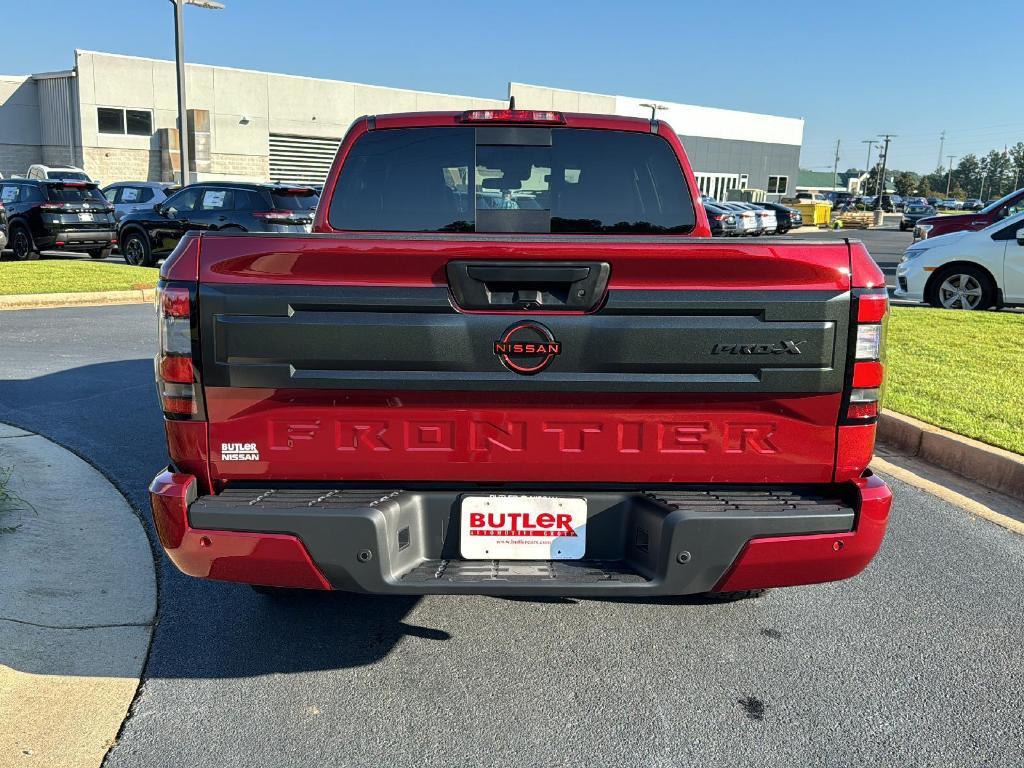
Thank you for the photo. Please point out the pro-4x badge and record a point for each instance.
(783, 347)
(527, 347)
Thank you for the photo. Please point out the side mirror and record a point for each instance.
(159, 208)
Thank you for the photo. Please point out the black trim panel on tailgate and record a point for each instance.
(285, 336)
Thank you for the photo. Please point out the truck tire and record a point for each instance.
(961, 286)
(136, 250)
(21, 244)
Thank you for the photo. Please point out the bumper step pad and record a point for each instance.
(523, 571)
(764, 500)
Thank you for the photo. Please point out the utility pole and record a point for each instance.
(949, 173)
(867, 166)
(179, 56)
(886, 137)
(942, 142)
(835, 167)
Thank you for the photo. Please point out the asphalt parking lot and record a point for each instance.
(919, 661)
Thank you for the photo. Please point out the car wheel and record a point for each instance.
(98, 253)
(136, 250)
(22, 246)
(962, 287)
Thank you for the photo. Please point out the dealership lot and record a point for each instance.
(917, 661)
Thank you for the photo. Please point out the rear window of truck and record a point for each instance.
(514, 180)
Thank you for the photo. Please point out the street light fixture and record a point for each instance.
(654, 108)
(179, 56)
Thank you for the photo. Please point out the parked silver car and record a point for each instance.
(747, 221)
(767, 223)
(768, 218)
(127, 196)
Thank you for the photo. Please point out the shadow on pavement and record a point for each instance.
(107, 413)
(211, 630)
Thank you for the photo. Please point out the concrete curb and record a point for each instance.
(986, 465)
(95, 298)
(77, 606)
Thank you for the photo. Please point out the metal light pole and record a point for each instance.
(949, 173)
(179, 56)
(654, 109)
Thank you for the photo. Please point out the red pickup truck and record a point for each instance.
(1007, 206)
(511, 360)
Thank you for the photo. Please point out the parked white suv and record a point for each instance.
(966, 270)
(44, 172)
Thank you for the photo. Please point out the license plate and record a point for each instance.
(523, 528)
(85, 217)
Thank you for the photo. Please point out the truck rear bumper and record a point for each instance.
(658, 541)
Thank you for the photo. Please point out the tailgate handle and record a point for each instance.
(573, 286)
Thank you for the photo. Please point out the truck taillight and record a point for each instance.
(175, 374)
(511, 116)
(868, 369)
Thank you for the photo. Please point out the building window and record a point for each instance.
(777, 185)
(134, 122)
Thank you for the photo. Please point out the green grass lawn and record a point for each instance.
(962, 371)
(67, 276)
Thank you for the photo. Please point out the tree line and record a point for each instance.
(987, 177)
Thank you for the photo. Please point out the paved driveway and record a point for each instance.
(918, 661)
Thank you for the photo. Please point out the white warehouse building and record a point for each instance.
(116, 117)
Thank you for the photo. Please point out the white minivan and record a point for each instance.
(966, 269)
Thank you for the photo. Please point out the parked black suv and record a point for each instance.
(891, 203)
(56, 214)
(221, 206)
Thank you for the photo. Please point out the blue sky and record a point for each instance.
(851, 70)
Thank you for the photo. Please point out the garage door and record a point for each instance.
(305, 159)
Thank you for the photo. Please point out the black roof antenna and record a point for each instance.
(511, 102)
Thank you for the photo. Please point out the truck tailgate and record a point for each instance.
(355, 358)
